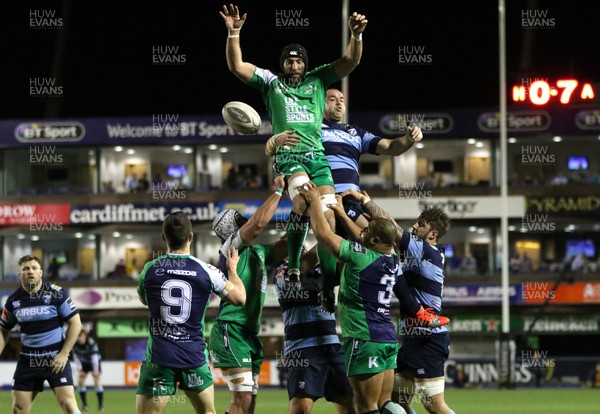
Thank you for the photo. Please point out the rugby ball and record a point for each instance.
(241, 117)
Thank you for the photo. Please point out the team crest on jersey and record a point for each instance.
(309, 89)
(358, 248)
(47, 299)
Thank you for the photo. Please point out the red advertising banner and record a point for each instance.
(574, 293)
(34, 214)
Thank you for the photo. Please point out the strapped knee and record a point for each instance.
(295, 183)
(427, 389)
(241, 382)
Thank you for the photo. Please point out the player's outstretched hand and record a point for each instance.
(59, 362)
(357, 23)
(232, 260)
(232, 17)
(414, 133)
(310, 192)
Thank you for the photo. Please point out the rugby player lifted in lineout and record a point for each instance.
(295, 102)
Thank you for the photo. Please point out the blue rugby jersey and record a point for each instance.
(41, 316)
(177, 289)
(343, 145)
(305, 324)
(423, 268)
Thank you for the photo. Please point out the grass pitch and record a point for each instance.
(274, 401)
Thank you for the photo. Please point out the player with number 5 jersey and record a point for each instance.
(177, 287)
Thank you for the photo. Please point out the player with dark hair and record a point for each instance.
(177, 287)
(345, 143)
(295, 102)
(424, 349)
(41, 309)
(370, 271)
(87, 358)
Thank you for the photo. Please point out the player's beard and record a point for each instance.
(290, 80)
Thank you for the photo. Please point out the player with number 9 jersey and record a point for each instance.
(177, 288)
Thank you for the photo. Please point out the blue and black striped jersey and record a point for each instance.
(344, 145)
(41, 316)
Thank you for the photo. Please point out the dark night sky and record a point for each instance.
(106, 68)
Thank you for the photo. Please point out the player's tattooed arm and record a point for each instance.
(371, 208)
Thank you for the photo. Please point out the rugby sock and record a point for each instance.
(100, 394)
(82, 394)
(407, 301)
(391, 407)
(328, 264)
(296, 235)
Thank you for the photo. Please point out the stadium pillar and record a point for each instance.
(505, 361)
(505, 345)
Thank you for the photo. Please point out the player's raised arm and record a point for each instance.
(263, 215)
(400, 145)
(346, 64)
(233, 51)
(321, 229)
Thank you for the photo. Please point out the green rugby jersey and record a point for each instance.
(299, 107)
(365, 293)
(252, 270)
